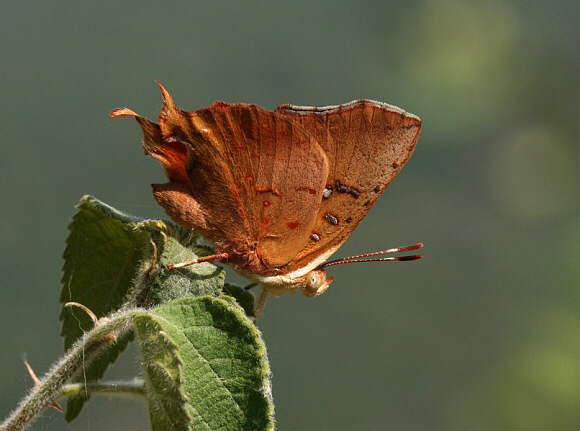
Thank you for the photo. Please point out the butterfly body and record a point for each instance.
(310, 279)
(279, 191)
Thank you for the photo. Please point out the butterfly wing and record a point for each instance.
(277, 190)
(255, 175)
(367, 144)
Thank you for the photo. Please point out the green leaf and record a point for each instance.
(243, 297)
(163, 368)
(105, 253)
(225, 367)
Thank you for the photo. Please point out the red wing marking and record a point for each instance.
(274, 191)
(292, 224)
(306, 189)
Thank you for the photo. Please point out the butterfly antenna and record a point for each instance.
(365, 256)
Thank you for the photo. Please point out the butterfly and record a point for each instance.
(278, 192)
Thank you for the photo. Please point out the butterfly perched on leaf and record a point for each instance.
(278, 192)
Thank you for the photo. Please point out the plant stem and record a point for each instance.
(135, 387)
(80, 355)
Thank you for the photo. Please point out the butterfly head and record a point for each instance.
(312, 283)
(315, 283)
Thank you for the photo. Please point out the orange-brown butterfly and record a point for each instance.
(278, 192)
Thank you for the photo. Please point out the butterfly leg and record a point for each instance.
(219, 256)
(261, 303)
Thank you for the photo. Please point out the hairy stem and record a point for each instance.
(80, 355)
(134, 387)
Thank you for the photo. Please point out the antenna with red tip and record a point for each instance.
(362, 257)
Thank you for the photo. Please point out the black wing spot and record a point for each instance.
(332, 219)
(342, 188)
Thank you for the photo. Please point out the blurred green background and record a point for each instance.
(482, 334)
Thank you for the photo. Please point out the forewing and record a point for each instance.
(367, 144)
